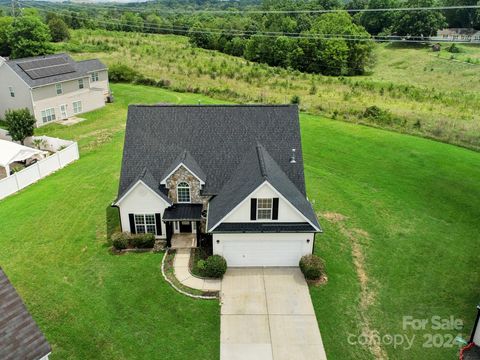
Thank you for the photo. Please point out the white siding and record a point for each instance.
(45, 97)
(141, 200)
(22, 97)
(286, 213)
(279, 249)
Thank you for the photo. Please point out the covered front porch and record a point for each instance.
(183, 225)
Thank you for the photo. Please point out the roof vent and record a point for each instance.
(292, 158)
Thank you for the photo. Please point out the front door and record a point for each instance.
(63, 111)
(185, 227)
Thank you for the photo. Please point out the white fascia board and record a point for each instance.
(164, 180)
(291, 205)
(133, 187)
(276, 191)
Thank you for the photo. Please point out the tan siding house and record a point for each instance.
(53, 87)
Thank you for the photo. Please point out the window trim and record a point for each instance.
(78, 111)
(94, 76)
(51, 115)
(59, 87)
(12, 91)
(144, 224)
(181, 186)
(264, 209)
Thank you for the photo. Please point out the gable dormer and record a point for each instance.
(184, 180)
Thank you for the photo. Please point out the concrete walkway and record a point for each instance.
(267, 314)
(183, 274)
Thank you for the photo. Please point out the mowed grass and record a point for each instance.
(412, 205)
(426, 95)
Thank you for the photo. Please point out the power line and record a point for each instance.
(232, 32)
(246, 11)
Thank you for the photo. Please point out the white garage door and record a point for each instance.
(263, 252)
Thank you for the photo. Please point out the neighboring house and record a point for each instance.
(20, 337)
(53, 87)
(232, 171)
(458, 34)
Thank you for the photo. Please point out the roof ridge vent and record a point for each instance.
(292, 158)
(261, 161)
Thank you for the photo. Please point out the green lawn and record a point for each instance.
(412, 208)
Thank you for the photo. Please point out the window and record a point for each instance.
(264, 209)
(77, 107)
(48, 115)
(58, 89)
(80, 84)
(12, 92)
(94, 76)
(145, 224)
(183, 193)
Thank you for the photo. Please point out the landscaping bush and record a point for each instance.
(311, 266)
(122, 73)
(215, 266)
(120, 240)
(142, 241)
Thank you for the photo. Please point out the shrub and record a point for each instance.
(120, 240)
(215, 266)
(295, 99)
(122, 73)
(142, 241)
(311, 266)
(454, 49)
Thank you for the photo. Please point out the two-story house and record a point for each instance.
(232, 171)
(53, 87)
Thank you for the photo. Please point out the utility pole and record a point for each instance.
(14, 7)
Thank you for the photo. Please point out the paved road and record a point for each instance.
(267, 314)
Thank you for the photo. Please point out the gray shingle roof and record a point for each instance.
(256, 167)
(186, 159)
(20, 337)
(217, 136)
(81, 68)
(192, 212)
(216, 140)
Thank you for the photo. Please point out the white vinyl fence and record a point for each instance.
(65, 152)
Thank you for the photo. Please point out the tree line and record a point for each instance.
(295, 40)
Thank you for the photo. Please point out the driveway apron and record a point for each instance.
(267, 314)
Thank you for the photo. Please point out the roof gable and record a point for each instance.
(146, 178)
(186, 160)
(216, 136)
(256, 169)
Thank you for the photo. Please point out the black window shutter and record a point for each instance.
(253, 209)
(158, 222)
(275, 209)
(131, 217)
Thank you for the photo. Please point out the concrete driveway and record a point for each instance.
(267, 314)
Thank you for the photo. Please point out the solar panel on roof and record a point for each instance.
(40, 73)
(41, 63)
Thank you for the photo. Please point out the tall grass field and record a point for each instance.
(410, 89)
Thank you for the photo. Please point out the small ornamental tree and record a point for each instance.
(20, 124)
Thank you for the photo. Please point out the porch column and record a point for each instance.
(7, 169)
(169, 228)
(197, 225)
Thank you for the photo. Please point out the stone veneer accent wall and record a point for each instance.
(183, 175)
